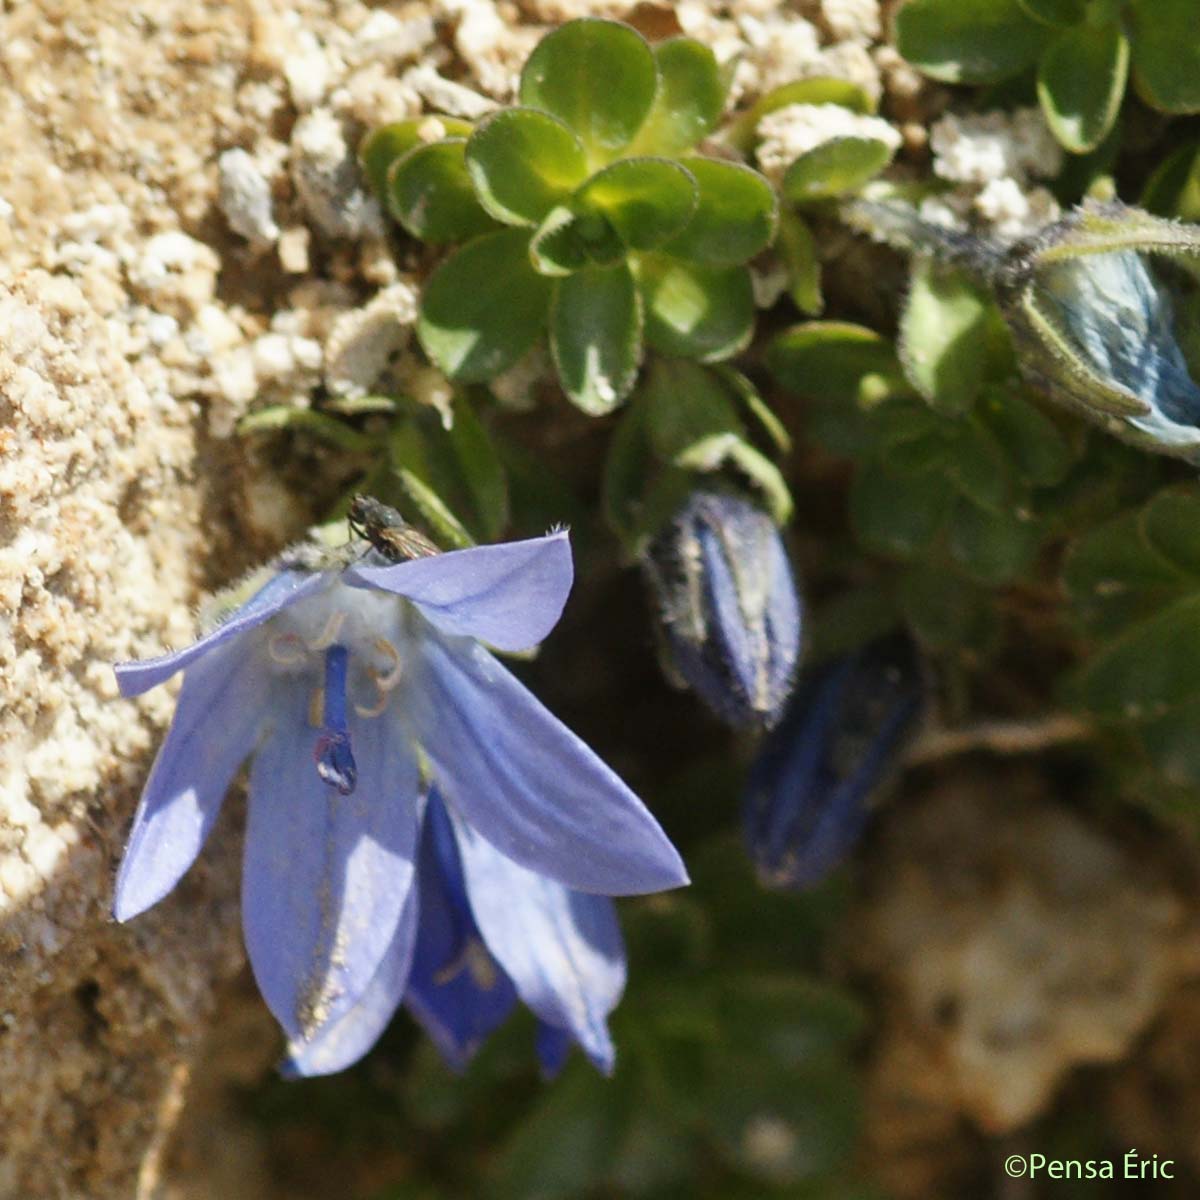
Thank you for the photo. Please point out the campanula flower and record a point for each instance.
(811, 786)
(1100, 304)
(489, 933)
(729, 608)
(352, 687)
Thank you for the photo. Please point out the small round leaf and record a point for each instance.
(484, 307)
(693, 311)
(1056, 12)
(835, 167)
(818, 89)
(1081, 79)
(596, 336)
(646, 200)
(522, 163)
(429, 192)
(734, 219)
(969, 41)
(599, 77)
(385, 144)
(1173, 190)
(1166, 53)
(689, 102)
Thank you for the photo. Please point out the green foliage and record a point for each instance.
(686, 420)
(593, 180)
(1082, 50)
(950, 459)
(1135, 585)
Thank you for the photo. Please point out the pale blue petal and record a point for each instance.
(326, 876)
(562, 949)
(456, 990)
(214, 729)
(509, 595)
(340, 1044)
(525, 782)
(284, 589)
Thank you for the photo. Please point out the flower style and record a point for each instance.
(354, 687)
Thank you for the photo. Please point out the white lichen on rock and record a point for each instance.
(328, 181)
(363, 341)
(244, 194)
(994, 158)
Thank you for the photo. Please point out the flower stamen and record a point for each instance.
(278, 646)
(329, 634)
(333, 755)
(392, 677)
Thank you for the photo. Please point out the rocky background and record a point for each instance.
(184, 236)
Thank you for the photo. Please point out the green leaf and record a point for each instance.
(1166, 53)
(993, 546)
(835, 167)
(1173, 190)
(454, 476)
(947, 617)
(689, 102)
(685, 403)
(1173, 746)
(1056, 12)
(1152, 668)
(734, 219)
(968, 41)
(1081, 79)
(445, 525)
(945, 332)
(305, 420)
(799, 252)
(599, 77)
(630, 463)
(756, 407)
(558, 246)
(383, 145)
(719, 449)
(897, 514)
(694, 311)
(978, 466)
(1030, 439)
(1170, 523)
(596, 336)
(429, 192)
(481, 470)
(838, 362)
(522, 163)
(645, 200)
(742, 132)
(1116, 577)
(484, 307)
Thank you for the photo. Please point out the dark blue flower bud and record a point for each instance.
(810, 788)
(728, 604)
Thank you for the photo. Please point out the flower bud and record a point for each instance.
(1104, 309)
(728, 604)
(811, 786)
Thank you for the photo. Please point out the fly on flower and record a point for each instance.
(357, 687)
(387, 531)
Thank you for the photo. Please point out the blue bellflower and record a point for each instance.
(811, 786)
(357, 689)
(730, 612)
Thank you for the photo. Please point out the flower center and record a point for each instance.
(358, 638)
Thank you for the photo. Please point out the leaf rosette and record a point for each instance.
(584, 214)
